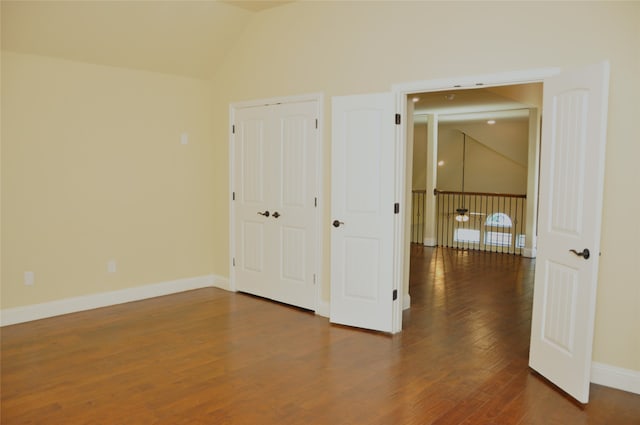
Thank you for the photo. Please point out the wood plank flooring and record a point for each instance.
(214, 357)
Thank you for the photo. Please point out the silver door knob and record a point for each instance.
(337, 223)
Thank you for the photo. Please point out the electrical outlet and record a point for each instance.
(111, 266)
(29, 278)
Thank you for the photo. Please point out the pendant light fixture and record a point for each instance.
(462, 216)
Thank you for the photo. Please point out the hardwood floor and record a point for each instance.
(213, 357)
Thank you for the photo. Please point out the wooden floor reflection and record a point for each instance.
(214, 357)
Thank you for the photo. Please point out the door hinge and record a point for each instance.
(396, 208)
(395, 294)
(314, 278)
(315, 202)
(316, 123)
(397, 119)
(234, 262)
(233, 129)
(233, 196)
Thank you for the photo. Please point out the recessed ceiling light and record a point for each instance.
(450, 96)
(440, 163)
(491, 122)
(415, 99)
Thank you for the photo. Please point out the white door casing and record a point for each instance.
(570, 213)
(362, 211)
(275, 170)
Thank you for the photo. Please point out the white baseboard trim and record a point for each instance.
(324, 308)
(28, 313)
(406, 301)
(429, 242)
(602, 374)
(221, 282)
(615, 377)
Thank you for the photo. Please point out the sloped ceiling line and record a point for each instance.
(186, 38)
(492, 147)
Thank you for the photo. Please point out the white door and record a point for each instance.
(252, 194)
(294, 203)
(275, 165)
(571, 184)
(362, 211)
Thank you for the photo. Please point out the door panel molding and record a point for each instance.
(363, 150)
(292, 191)
(570, 218)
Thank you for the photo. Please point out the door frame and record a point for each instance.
(402, 91)
(319, 308)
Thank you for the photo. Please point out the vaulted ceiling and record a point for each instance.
(503, 103)
(180, 37)
(189, 38)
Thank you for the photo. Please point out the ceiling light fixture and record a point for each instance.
(415, 99)
(440, 163)
(491, 122)
(462, 216)
(450, 96)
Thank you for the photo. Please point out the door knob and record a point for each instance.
(266, 213)
(584, 254)
(276, 214)
(337, 223)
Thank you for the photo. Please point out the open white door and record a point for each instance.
(362, 211)
(570, 212)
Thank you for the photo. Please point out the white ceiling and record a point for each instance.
(470, 105)
(181, 37)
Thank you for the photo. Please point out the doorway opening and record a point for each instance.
(501, 127)
(574, 134)
(473, 195)
(474, 161)
(571, 183)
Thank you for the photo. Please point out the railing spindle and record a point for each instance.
(496, 220)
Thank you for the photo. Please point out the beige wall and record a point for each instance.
(508, 138)
(93, 170)
(485, 169)
(342, 48)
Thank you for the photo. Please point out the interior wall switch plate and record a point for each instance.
(111, 266)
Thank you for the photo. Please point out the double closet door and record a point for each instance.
(275, 151)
